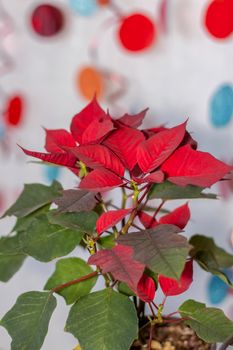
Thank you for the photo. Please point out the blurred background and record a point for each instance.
(174, 56)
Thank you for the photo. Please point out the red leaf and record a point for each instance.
(120, 263)
(146, 289)
(100, 180)
(171, 287)
(178, 217)
(154, 151)
(147, 220)
(63, 159)
(97, 130)
(133, 121)
(57, 139)
(124, 143)
(14, 111)
(110, 219)
(95, 156)
(155, 177)
(82, 120)
(189, 167)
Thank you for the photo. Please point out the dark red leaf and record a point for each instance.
(171, 286)
(152, 131)
(179, 217)
(57, 139)
(189, 140)
(64, 159)
(95, 156)
(189, 167)
(154, 151)
(82, 120)
(147, 220)
(14, 111)
(96, 131)
(100, 180)
(120, 263)
(146, 289)
(110, 219)
(133, 121)
(155, 177)
(75, 201)
(124, 143)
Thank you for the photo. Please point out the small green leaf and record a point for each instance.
(168, 191)
(11, 257)
(27, 322)
(45, 242)
(34, 197)
(107, 242)
(209, 323)
(210, 257)
(68, 270)
(84, 221)
(103, 320)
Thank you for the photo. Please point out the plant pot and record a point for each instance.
(173, 336)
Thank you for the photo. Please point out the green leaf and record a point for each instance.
(124, 289)
(45, 242)
(168, 191)
(210, 257)
(107, 242)
(27, 322)
(84, 221)
(11, 257)
(161, 249)
(34, 197)
(68, 270)
(209, 323)
(23, 223)
(104, 320)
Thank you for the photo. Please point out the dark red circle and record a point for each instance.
(14, 111)
(47, 20)
(219, 18)
(137, 32)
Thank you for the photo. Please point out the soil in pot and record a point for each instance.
(170, 337)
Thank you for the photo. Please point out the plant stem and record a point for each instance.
(151, 336)
(78, 280)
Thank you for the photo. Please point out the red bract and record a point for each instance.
(57, 139)
(124, 143)
(120, 263)
(171, 287)
(189, 167)
(133, 121)
(95, 156)
(100, 180)
(92, 113)
(155, 177)
(178, 217)
(154, 151)
(64, 159)
(110, 219)
(146, 289)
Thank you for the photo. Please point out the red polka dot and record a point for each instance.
(14, 111)
(47, 20)
(137, 32)
(219, 18)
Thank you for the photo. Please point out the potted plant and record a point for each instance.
(136, 246)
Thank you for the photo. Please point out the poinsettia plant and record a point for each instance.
(136, 247)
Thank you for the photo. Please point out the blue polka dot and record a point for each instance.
(221, 106)
(84, 7)
(2, 130)
(217, 290)
(51, 172)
